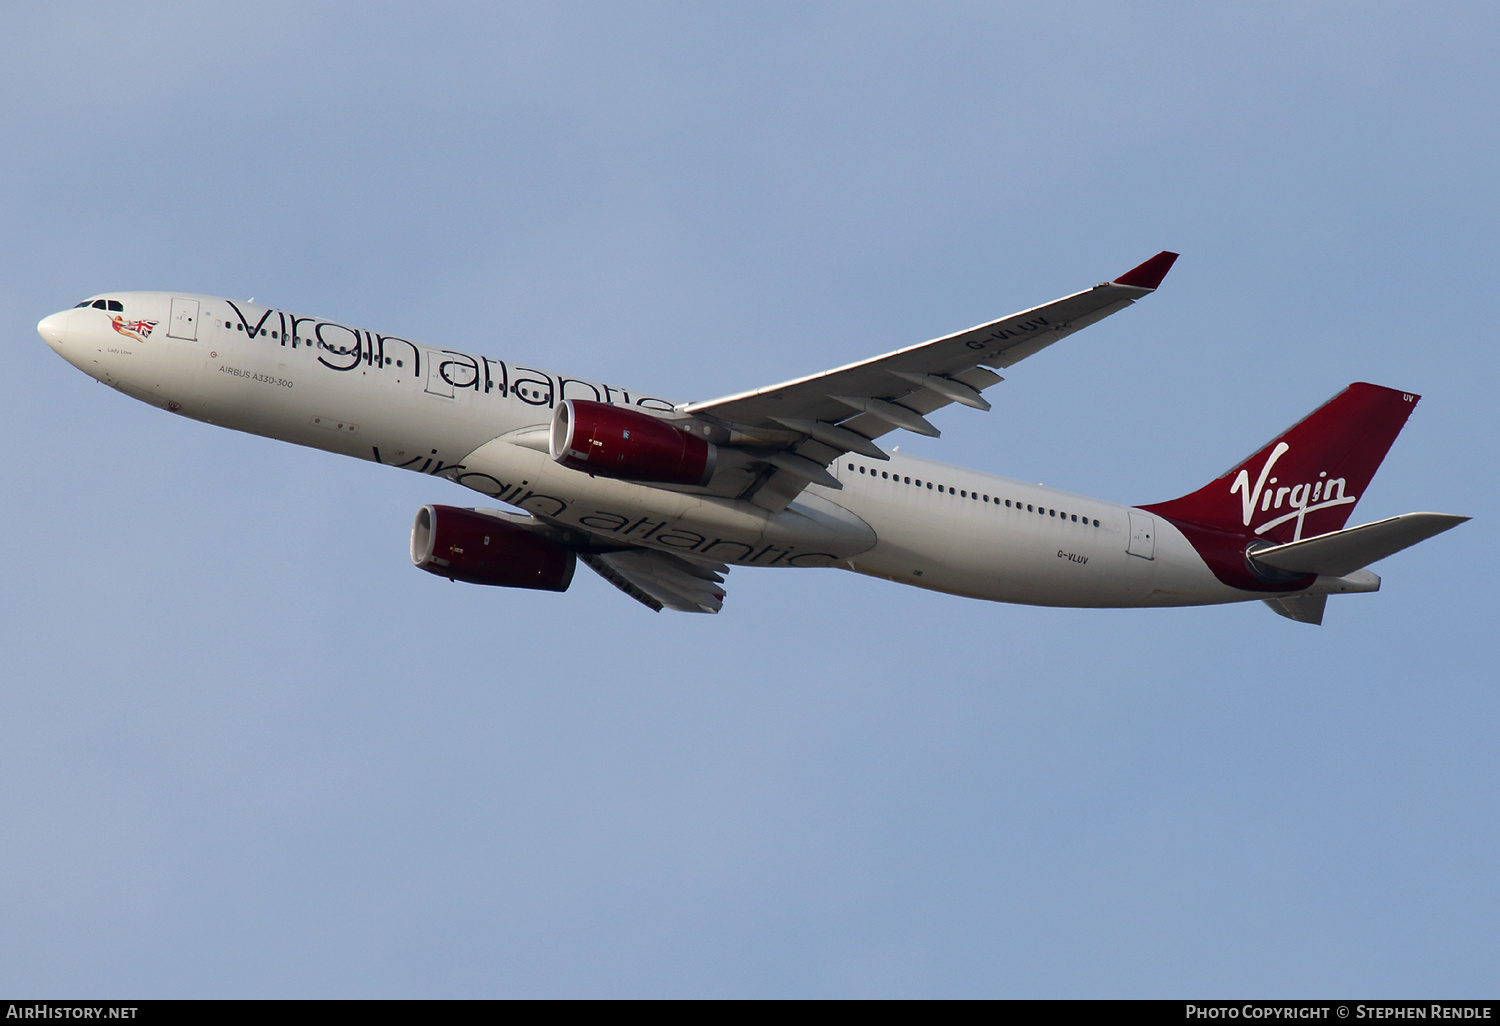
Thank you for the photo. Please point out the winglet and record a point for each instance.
(1149, 274)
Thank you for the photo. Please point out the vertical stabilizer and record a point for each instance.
(1305, 482)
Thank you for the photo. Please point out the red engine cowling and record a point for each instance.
(616, 441)
(463, 545)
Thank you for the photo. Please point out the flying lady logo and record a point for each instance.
(1299, 499)
(138, 330)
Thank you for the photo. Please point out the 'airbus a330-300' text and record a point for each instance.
(661, 498)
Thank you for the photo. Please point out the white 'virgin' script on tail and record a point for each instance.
(1301, 499)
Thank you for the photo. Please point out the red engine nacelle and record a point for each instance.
(616, 441)
(463, 545)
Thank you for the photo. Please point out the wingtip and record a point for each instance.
(1149, 274)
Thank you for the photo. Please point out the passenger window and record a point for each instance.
(884, 474)
(908, 480)
(1030, 508)
(929, 486)
(1096, 523)
(851, 466)
(1075, 518)
(861, 470)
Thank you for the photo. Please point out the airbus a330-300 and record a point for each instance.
(661, 498)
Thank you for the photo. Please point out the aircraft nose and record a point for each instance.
(53, 328)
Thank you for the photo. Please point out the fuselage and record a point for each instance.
(482, 421)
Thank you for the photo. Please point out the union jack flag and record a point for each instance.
(137, 330)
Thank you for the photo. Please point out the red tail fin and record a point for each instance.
(1306, 482)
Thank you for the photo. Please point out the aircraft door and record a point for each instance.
(183, 322)
(437, 381)
(1142, 535)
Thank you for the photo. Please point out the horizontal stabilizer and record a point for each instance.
(1342, 552)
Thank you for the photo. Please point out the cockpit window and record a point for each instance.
(78, 305)
(116, 306)
(100, 304)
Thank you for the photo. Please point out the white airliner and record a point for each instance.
(661, 498)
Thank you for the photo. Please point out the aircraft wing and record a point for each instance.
(661, 580)
(809, 422)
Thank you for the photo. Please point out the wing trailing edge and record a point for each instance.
(661, 580)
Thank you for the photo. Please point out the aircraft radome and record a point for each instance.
(661, 498)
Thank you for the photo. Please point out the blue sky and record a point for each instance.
(250, 751)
